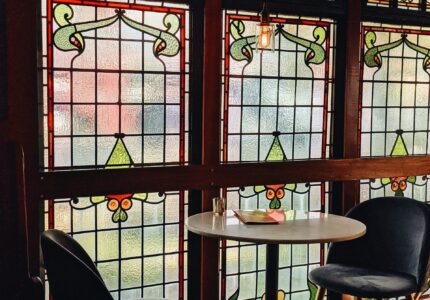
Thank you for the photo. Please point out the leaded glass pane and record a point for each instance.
(395, 103)
(115, 90)
(123, 69)
(276, 107)
(135, 240)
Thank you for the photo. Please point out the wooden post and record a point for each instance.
(211, 137)
(351, 190)
(21, 123)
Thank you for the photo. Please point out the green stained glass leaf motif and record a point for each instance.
(373, 54)
(68, 37)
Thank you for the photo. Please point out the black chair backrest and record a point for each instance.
(71, 272)
(397, 237)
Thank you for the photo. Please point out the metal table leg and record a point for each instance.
(272, 262)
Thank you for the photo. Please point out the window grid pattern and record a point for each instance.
(143, 257)
(276, 106)
(243, 266)
(394, 106)
(115, 95)
(136, 92)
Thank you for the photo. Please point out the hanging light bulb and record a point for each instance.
(265, 35)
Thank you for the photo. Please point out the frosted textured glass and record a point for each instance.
(171, 267)
(152, 236)
(269, 91)
(267, 115)
(251, 91)
(107, 87)
(131, 55)
(300, 254)
(131, 242)
(107, 244)
(299, 278)
(84, 151)
(83, 219)
(153, 88)
(62, 119)
(131, 119)
(250, 119)
(87, 241)
(303, 119)
(155, 264)
(83, 119)
(304, 90)
(247, 258)
(287, 92)
(109, 272)
(172, 89)
(108, 54)
(83, 87)
(107, 119)
(131, 272)
(62, 86)
(172, 238)
(270, 64)
(153, 214)
(131, 88)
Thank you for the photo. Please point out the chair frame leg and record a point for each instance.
(320, 293)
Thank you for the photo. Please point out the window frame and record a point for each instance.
(205, 173)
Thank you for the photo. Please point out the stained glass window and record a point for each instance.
(403, 4)
(144, 256)
(113, 68)
(395, 103)
(276, 107)
(115, 95)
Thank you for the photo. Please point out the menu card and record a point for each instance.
(254, 217)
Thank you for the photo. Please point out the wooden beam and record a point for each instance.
(328, 9)
(211, 137)
(116, 181)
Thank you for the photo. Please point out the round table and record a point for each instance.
(295, 227)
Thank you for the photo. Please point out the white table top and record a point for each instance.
(298, 228)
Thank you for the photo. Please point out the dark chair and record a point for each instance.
(390, 260)
(72, 274)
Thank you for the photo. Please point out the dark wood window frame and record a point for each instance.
(205, 175)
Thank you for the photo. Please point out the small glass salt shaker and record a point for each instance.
(218, 206)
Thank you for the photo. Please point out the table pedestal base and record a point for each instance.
(272, 263)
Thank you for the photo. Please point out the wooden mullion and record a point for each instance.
(394, 3)
(211, 138)
(351, 189)
(196, 106)
(335, 205)
(423, 5)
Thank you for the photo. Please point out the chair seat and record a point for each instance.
(363, 282)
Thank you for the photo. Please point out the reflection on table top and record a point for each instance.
(297, 227)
